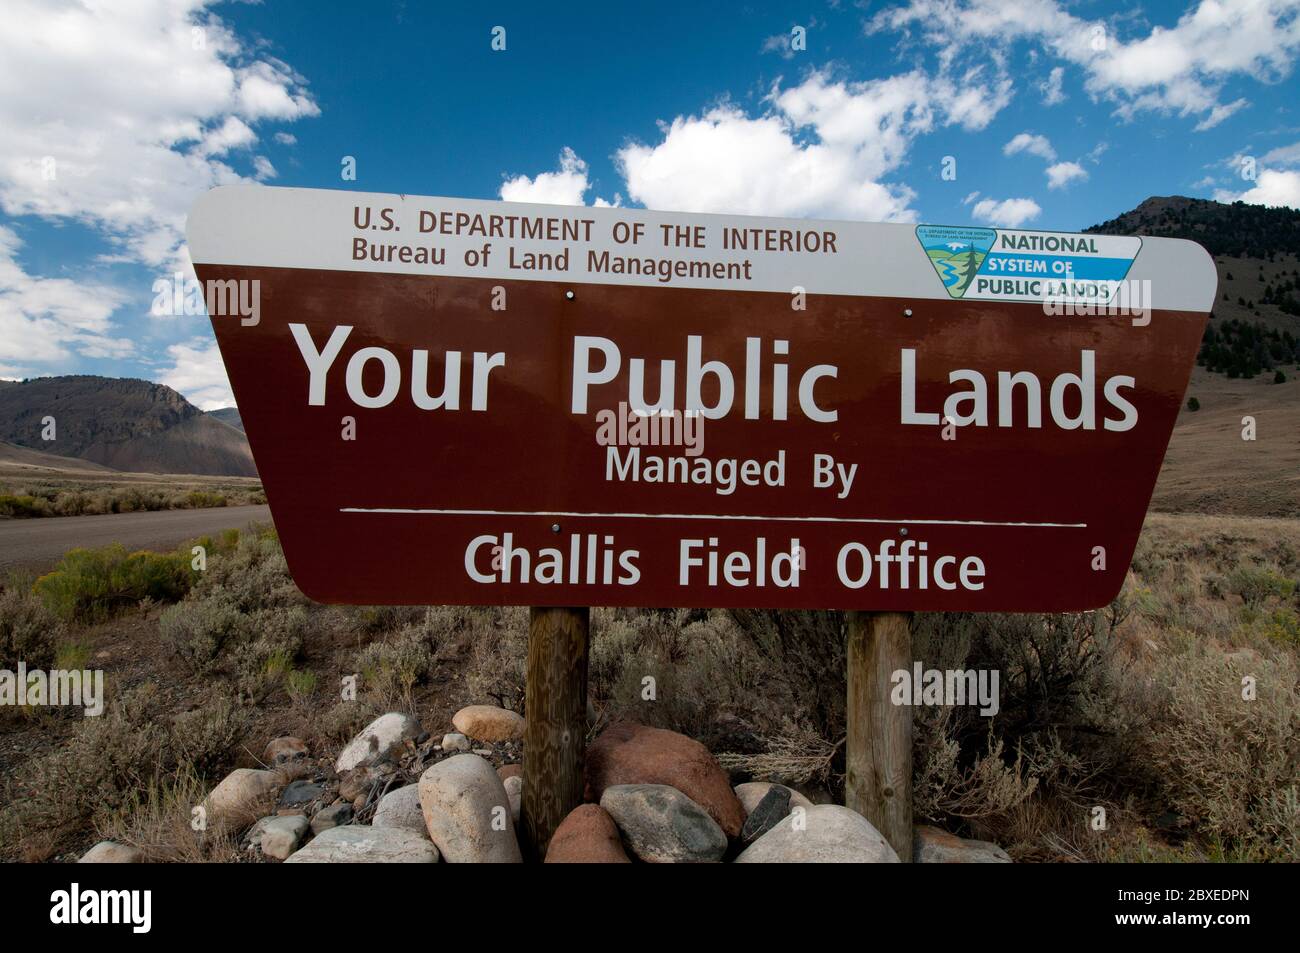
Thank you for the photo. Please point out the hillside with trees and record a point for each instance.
(1255, 326)
(1226, 231)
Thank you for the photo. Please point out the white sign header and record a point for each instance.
(375, 232)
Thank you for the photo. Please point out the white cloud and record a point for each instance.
(725, 161)
(48, 321)
(1180, 69)
(1051, 87)
(198, 374)
(822, 149)
(1034, 145)
(234, 133)
(1273, 187)
(973, 104)
(269, 89)
(781, 44)
(1063, 173)
(1283, 155)
(137, 110)
(1059, 174)
(565, 187)
(1008, 213)
(1220, 113)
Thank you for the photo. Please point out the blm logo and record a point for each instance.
(956, 252)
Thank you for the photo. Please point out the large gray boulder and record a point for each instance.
(359, 844)
(376, 741)
(661, 825)
(401, 809)
(822, 834)
(467, 812)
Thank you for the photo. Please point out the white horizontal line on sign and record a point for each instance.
(699, 516)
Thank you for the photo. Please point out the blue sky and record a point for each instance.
(1045, 114)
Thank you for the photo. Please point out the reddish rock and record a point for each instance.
(587, 836)
(930, 845)
(489, 723)
(635, 754)
(510, 771)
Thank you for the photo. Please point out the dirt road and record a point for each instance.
(39, 543)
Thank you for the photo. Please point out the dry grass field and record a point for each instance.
(1209, 468)
(34, 484)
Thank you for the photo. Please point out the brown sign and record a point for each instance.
(466, 402)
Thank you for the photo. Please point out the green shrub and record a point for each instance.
(209, 631)
(405, 641)
(201, 499)
(253, 574)
(91, 584)
(269, 642)
(244, 616)
(96, 777)
(301, 685)
(29, 632)
(75, 503)
(23, 507)
(72, 655)
(805, 651)
(948, 785)
(205, 736)
(342, 722)
(497, 639)
(1257, 585)
(391, 668)
(1220, 761)
(156, 821)
(197, 629)
(380, 620)
(63, 499)
(764, 695)
(1282, 625)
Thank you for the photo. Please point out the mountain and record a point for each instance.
(35, 459)
(124, 424)
(1256, 251)
(1227, 231)
(229, 416)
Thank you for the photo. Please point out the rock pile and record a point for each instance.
(397, 796)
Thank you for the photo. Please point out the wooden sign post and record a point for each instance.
(463, 402)
(555, 734)
(878, 749)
